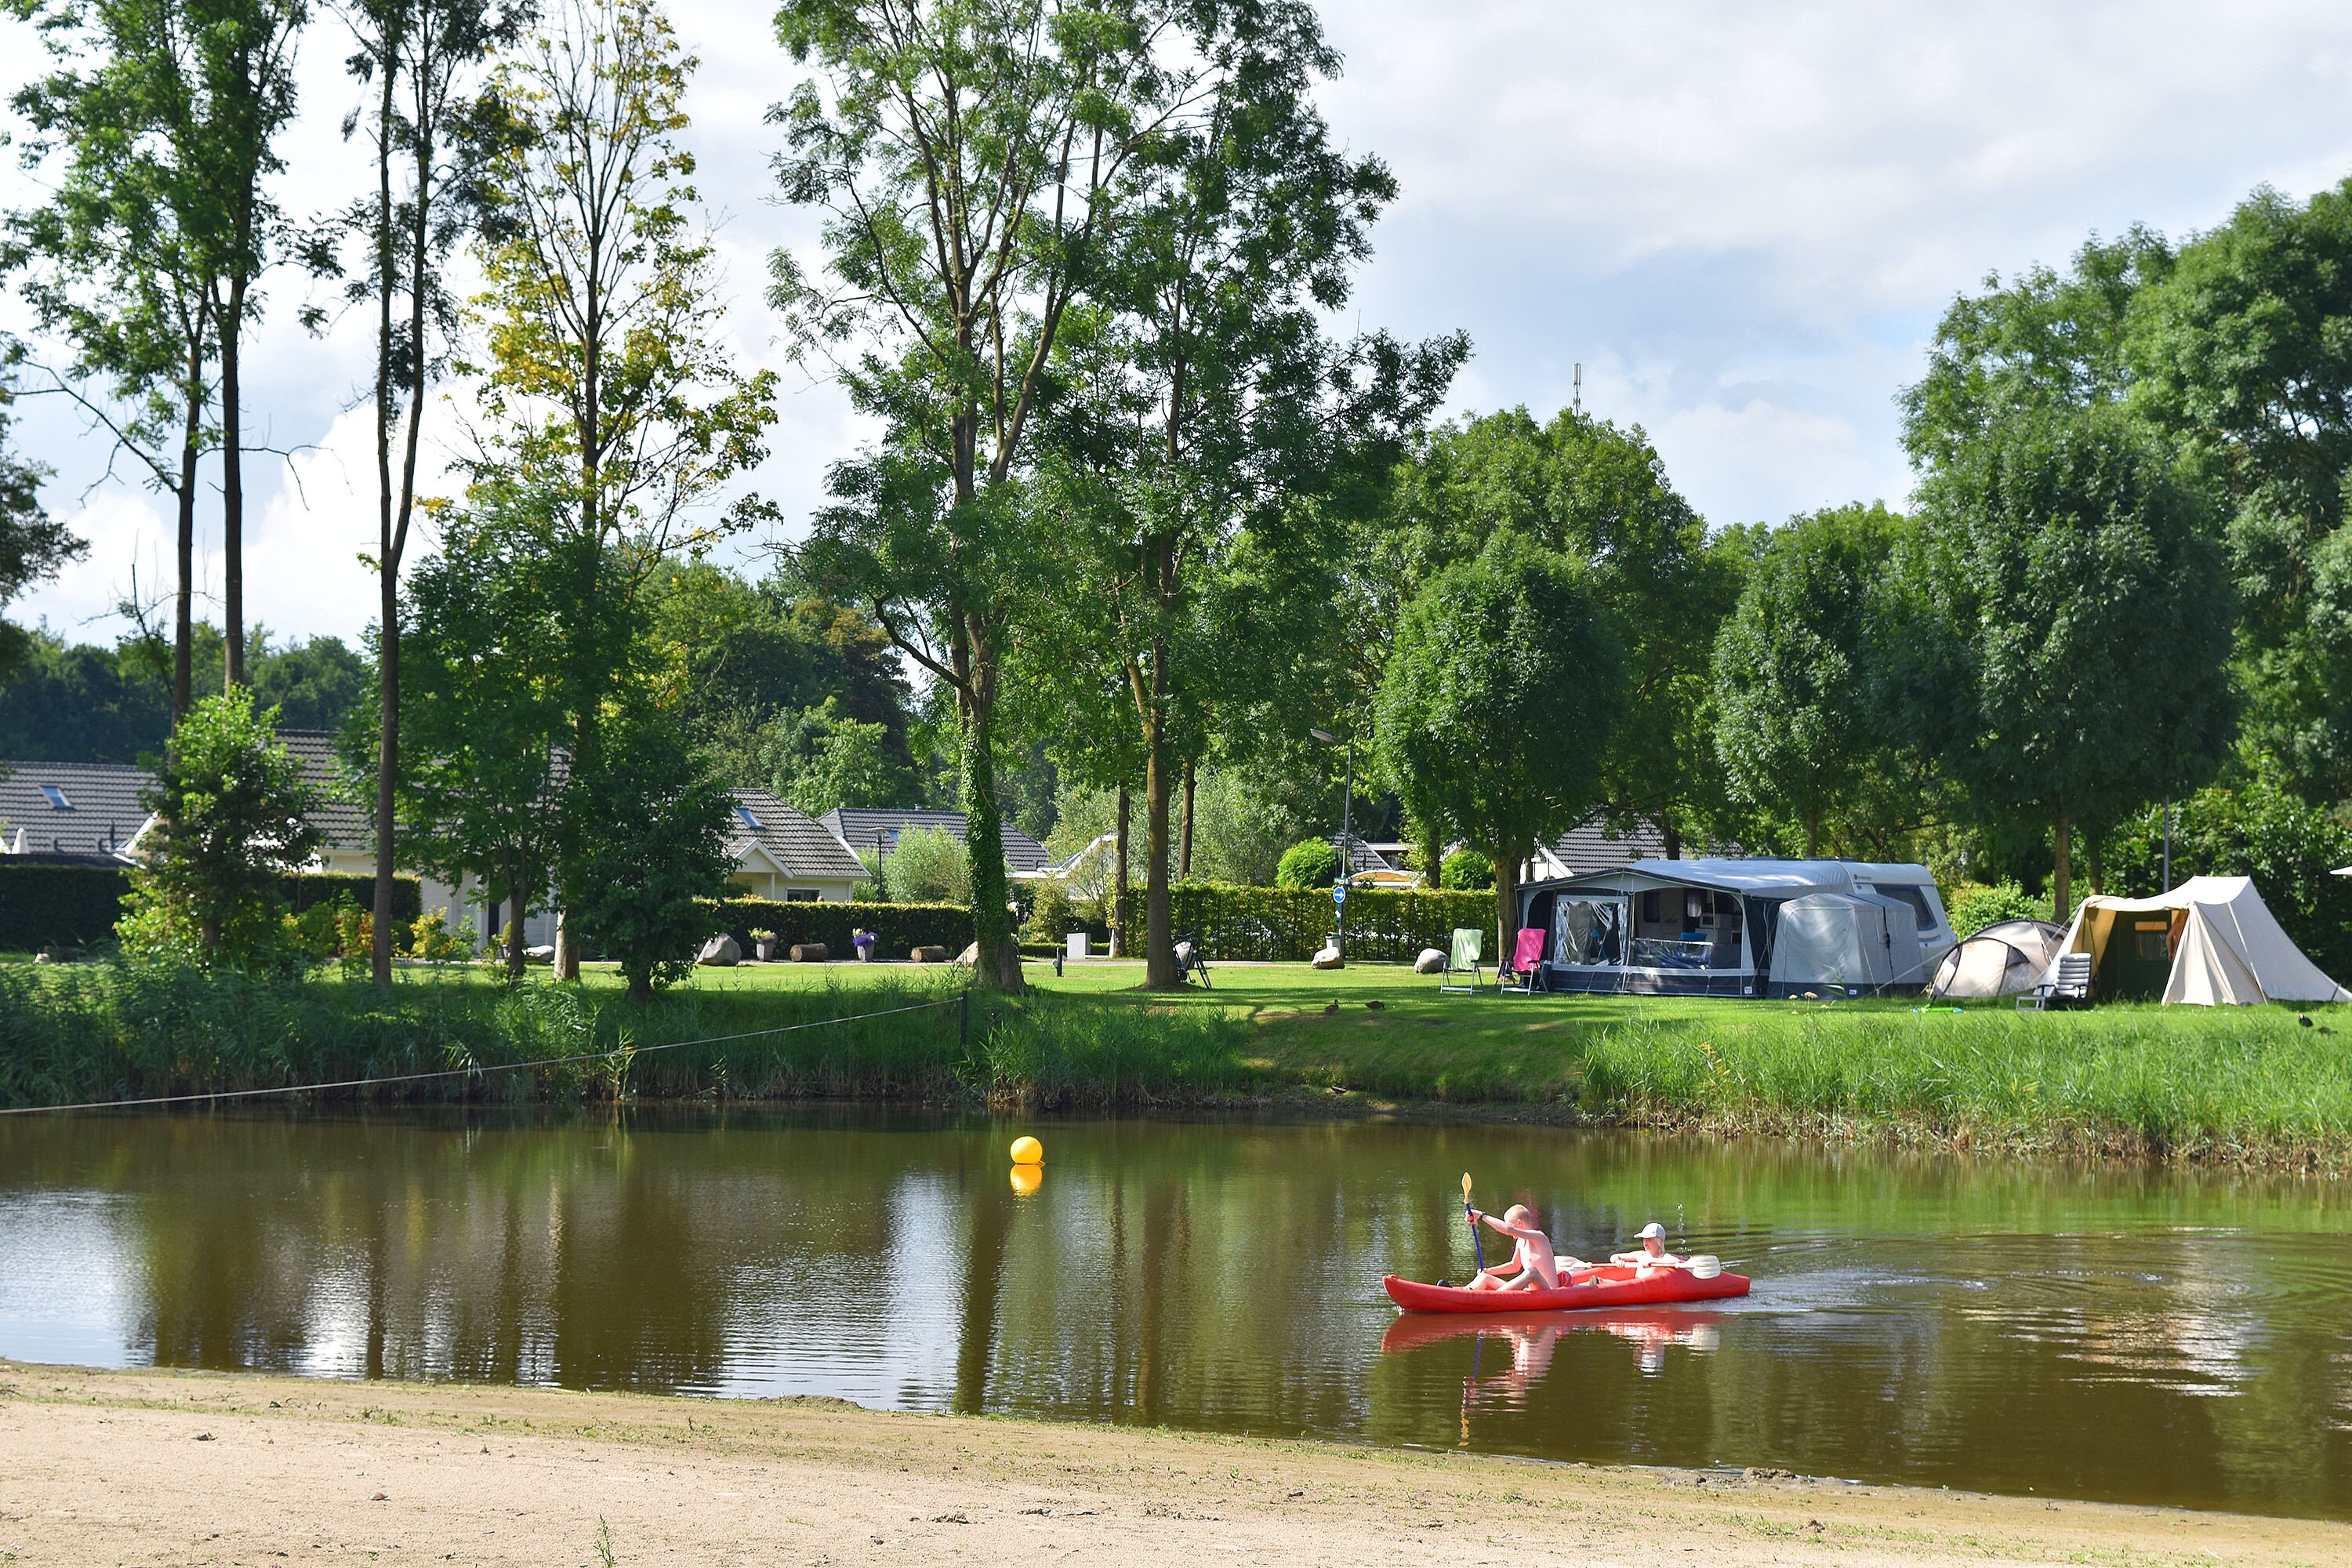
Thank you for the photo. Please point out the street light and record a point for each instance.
(884, 840)
(1346, 836)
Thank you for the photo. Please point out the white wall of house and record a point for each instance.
(465, 915)
(757, 881)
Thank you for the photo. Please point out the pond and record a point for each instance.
(2110, 1332)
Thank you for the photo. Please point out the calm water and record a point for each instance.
(2119, 1334)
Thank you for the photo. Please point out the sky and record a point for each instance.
(1743, 222)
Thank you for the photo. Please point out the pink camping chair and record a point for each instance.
(1526, 964)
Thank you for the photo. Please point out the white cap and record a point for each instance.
(1650, 1229)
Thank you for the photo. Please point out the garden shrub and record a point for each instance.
(1309, 863)
(1287, 924)
(1467, 871)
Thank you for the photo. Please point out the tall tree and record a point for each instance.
(1219, 407)
(609, 390)
(125, 255)
(430, 135)
(2081, 618)
(971, 161)
(246, 53)
(1498, 704)
(1800, 686)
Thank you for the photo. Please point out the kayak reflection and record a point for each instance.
(1532, 1336)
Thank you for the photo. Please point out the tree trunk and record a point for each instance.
(1160, 972)
(997, 963)
(387, 731)
(232, 329)
(2062, 878)
(1812, 835)
(1430, 849)
(1506, 902)
(567, 947)
(2092, 852)
(183, 629)
(1184, 852)
(1121, 945)
(1673, 836)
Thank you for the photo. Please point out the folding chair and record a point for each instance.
(2068, 986)
(1526, 965)
(1469, 944)
(1190, 961)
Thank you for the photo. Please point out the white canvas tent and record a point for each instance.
(2004, 959)
(1859, 941)
(2213, 941)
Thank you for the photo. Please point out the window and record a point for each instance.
(743, 812)
(1914, 897)
(58, 800)
(801, 895)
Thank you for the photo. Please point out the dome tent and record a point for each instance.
(2004, 959)
(2210, 941)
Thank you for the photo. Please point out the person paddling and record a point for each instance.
(1533, 1267)
(1653, 1255)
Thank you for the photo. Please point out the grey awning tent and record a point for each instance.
(2210, 941)
(1853, 941)
(2004, 958)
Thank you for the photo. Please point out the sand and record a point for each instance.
(162, 1467)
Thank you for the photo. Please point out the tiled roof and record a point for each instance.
(1362, 857)
(859, 827)
(1590, 847)
(101, 813)
(340, 813)
(795, 840)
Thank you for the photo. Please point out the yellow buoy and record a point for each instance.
(1027, 1179)
(1028, 1151)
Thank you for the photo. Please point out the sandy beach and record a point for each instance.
(162, 1467)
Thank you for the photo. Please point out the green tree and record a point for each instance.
(926, 865)
(430, 136)
(1801, 693)
(819, 758)
(1599, 495)
(232, 816)
(1309, 863)
(971, 162)
(609, 391)
(2080, 628)
(1467, 871)
(1496, 712)
(648, 832)
(125, 256)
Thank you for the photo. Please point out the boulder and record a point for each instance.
(971, 953)
(928, 954)
(720, 952)
(1431, 962)
(808, 952)
(544, 954)
(1328, 958)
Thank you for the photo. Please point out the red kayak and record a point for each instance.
(1603, 1285)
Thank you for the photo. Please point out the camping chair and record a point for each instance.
(1189, 960)
(1469, 944)
(1525, 964)
(2069, 986)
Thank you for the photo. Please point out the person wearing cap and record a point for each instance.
(1653, 1254)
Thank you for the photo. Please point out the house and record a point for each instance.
(864, 831)
(783, 855)
(1590, 847)
(71, 813)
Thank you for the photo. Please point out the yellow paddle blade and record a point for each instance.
(1465, 1186)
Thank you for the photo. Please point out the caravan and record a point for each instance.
(1739, 928)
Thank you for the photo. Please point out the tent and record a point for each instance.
(1859, 942)
(2004, 959)
(2210, 940)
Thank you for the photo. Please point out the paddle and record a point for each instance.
(1476, 1245)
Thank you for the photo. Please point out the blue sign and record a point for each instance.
(1338, 892)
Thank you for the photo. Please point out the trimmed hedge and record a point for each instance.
(76, 905)
(1287, 924)
(899, 926)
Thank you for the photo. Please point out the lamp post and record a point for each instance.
(884, 840)
(1346, 835)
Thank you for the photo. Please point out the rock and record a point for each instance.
(928, 954)
(1431, 962)
(808, 952)
(720, 952)
(971, 953)
(1328, 958)
(542, 954)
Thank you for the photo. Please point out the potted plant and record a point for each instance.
(763, 943)
(866, 942)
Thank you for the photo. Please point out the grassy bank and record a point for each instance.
(2252, 1085)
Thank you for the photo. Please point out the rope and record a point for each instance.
(470, 1072)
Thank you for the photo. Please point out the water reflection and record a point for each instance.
(2134, 1335)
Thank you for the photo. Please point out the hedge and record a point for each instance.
(899, 926)
(76, 905)
(1287, 924)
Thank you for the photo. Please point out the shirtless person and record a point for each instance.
(1654, 1255)
(1533, 1266)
